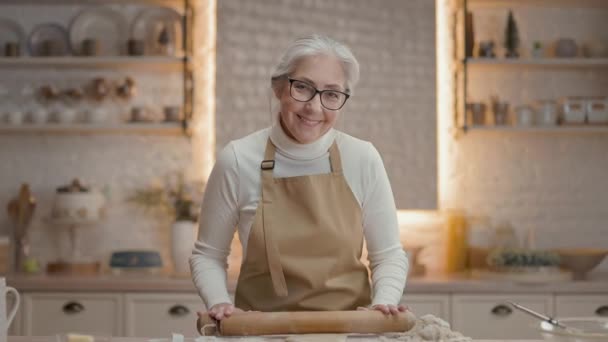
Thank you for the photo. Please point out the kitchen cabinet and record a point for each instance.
(91, 313)
(581, 306)
(160, 314)
(488, 316)
(424, 304)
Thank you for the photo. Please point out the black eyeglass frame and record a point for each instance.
(317, 91)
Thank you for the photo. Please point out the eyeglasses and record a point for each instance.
(304, 92)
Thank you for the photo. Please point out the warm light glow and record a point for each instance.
(416, 217)
(204, 61)
(445, 99)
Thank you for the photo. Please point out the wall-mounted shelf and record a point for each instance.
(93, 2)
(94, 62)
(541, 129)
(537, 3)
(538, 62)
(172, 128)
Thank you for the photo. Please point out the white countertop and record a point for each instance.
(233, 339)
(598, 283)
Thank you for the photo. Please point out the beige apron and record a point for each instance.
(305, 244)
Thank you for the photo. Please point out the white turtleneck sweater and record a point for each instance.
(234, 189)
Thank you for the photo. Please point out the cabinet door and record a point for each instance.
(160, 314)
(489, 317)
(581, 305)
(89, 313)
(422, 304)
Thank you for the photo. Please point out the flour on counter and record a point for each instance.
(428, 328)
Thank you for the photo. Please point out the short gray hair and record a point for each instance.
(315, 45)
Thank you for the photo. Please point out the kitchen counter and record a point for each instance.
(598, 283)
(143, 339)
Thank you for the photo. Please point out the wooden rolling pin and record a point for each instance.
(306, 322)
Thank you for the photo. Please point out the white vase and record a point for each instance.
(183, 235)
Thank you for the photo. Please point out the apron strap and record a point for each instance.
(272, 251)
(334, 158)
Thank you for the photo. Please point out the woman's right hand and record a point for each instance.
(222, 310)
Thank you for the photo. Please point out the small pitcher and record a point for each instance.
(7, 317)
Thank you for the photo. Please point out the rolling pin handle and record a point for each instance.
(207, 326)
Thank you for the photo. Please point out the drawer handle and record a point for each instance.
(502, 310)
(178, 311)
(72, 308)
(602, 311)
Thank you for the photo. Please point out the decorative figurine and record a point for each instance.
(511, 37)
(486, 49)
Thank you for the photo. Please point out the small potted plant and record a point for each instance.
(178, 199)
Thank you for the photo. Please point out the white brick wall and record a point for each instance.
(394, 104)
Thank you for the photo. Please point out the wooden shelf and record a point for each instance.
(537, 3)
(541, 129)
(93, 2)
(539, 62)
(173, 128)
(94, 62)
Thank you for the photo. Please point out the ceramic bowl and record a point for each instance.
(582, 329)
(581, 260)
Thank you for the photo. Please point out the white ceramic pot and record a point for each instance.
(183, 236)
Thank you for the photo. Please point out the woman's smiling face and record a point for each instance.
(305, 122)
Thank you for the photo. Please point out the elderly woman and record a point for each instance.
(303, 196)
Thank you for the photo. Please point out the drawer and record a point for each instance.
(581, 305)
(421, 304)
(89, 313)
(489, 317)
(160, 314)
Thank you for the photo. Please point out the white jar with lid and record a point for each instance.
(574, 110)
(525, 115)
(547, 113)
(597, 110)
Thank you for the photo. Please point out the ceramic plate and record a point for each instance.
(49, 39)
(10, 31)
(103, 24)
(149, 25)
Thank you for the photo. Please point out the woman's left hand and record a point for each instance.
(386, 309)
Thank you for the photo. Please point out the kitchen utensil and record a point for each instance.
(307, 322)
(540, 316)
(49, 40)
(103, 24)
(161, 30)
(582, 329)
